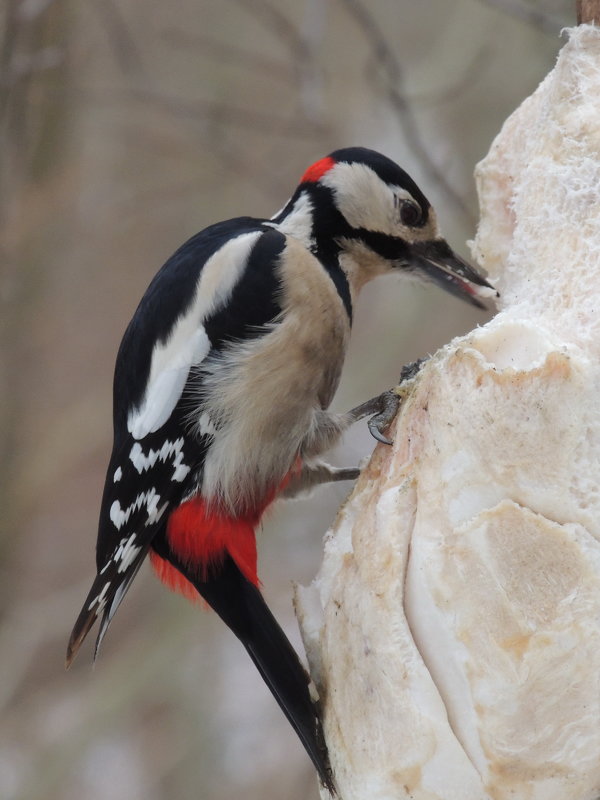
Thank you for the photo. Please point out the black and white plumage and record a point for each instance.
(221, 392)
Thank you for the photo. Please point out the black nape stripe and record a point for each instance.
(338, 276)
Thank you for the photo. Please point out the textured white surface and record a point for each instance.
(454, 629)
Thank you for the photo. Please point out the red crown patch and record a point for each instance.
(317, 170)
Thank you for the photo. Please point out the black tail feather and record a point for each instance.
(105, 596)
(242, 607)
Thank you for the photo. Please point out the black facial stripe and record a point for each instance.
(338, 276)
(391, 248)
(329, 225)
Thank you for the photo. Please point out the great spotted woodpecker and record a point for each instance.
(221, 392)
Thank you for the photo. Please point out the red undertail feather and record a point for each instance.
(201, 537)
(317, 170)
(173, 579)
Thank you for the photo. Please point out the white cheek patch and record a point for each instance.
(188, 344)
(364, 199)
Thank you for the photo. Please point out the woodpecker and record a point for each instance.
(222, 386)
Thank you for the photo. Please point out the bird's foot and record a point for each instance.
(389, 403)
(315, 474)
(385, 406)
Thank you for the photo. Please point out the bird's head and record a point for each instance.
(363, 209)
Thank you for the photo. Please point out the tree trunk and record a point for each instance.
(454, 629)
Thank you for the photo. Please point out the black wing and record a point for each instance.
(156, 461)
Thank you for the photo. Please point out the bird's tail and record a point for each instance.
(105, 596)
(242, 607)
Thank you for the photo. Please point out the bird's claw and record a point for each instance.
(390, 402)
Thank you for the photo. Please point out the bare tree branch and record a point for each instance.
(298, 44)
(392, 69)
(211, 113)
(279, 23)
(120, 37)
(452, 92)
(230, 54)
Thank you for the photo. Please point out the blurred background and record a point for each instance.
(126, 127)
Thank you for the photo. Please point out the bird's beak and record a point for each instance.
(437, 262)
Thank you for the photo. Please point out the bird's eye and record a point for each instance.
(410, 214)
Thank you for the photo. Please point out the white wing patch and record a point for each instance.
(188, 343)
(168, 379)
